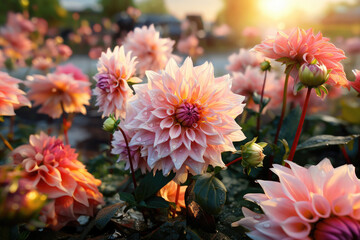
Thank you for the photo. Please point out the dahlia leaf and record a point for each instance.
(326, 140)
(210, 193)
(127, 197)
(104, 216)
(157, 202)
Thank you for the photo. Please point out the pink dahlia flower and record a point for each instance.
(356, 84)
(185, 118)
(52, 90)
(11, 97)
(190, 46)
(303, 46)
(319, 202)
(240, 61)
(168, 192)
(53, 169)
(74, 71)
(151, 51)
(64, 51)
(42, 63)
(115, 71)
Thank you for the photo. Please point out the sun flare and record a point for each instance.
(274, 8)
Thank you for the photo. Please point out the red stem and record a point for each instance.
(176, 199)
(298, 131)
(65, 124)
(130, 158)
(347, 158)
(260, 105)
(234, 161)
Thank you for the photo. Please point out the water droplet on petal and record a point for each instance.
(257, 216)
(138, 139)
(267, 225)
(161, 98)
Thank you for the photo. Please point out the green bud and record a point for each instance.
(9, 64)
(265, 65)
(110, 124)
(252, 154)
(313, 75)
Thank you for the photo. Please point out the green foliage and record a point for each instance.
(105, 215)
(326, 140)
(112, 7)
(153, 7)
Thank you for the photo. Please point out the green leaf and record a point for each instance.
(105, 215)
(151, 184)
(318, 92)
(326, 140)
(298, 87)
(210, 193)
(157, 202)
(287, 149)
(128, 197)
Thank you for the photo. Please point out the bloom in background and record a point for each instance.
(64, 51)
(250, 81)
(185, 118)
(190, 46)
(53, 169)
(95, 52)
(11, 97)
(53, 90)
(2, 59)
(356, 84)
(352, 45)
(319, 202)
(168, 192)
(115, 71)
(300, 46)
(72, 70)
(151, 51)
(239, 62)
(42, 63)
(19, 201)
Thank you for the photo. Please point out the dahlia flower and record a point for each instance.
(168, 192)
(356, 84)
(74, 71)
(11, 97)
(239, 62)
(190, 46)
(184, 118)
(300, 46)
(53, 169)
(152, 51)
(319, 202)
(42, 63)
(115, 71)
(53, 90)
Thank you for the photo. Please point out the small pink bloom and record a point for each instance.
(18, 22)
(356, 84)
(42, 63)
(239, 62)
(303, 47)
(41, 25)
(184, 118)
(115, 70)
(52, 90)
(319, 202)
(74, 71)
(64, 51)
(151, 51)
(168, 192)
(352, 45)
(53, 169)
(222, 31)
(11, 97)
(190, 46)
(95, 52)
(251, 32)
(134, 13)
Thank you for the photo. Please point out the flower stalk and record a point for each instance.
(234, 161)
(298, 131)
(66, 124)
(260, 104)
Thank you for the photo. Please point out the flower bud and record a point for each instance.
(110, 124)
(265, 65)
(252, 154)
(313, 75)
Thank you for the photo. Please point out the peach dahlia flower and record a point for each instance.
(168, 192)
(356, 84)
(240, 61)
(11, 97)
(52, 90)
(53, 169)
(185, 118)
(151, 51)
(115, 71)
(319, 202)
(303, 46)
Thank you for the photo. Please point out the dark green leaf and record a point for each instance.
(128, 197)
(298, 87)
(210, 193)
(151, 184)
(326, 140)
(105, 215)
(157, 202)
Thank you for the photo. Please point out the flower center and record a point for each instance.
(103, 82)
(187, 114)
(331, 228)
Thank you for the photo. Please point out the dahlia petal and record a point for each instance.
(293, 187)
(321, 205)
(66, 205)
(272, 189)
(81, 196)
(305, 211)
(178, 157)
(167, 123)
(296, 228)
(342, 206)
(257, 235)
(161, 136)
(175, 131)
(270, 229)
(278, 209)
(256, 197)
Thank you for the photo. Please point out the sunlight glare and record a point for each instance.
(275, 9)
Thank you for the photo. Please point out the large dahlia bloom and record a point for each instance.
(115, 70)
(152, 51)
(74, 71)
(300, 46)
(240, 61)
(185, 118)
(168, 192)
(53, 169)
(319, 202)
(53, 90)
(11, 97)
(356, 84)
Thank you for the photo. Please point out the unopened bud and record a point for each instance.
(265, 65)
(110, 124)
(313, 75)
(252, 154)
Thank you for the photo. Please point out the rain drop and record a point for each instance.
(138, 139)
(267, 225)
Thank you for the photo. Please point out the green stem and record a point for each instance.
(298, 131)
(260, 105)
(6, 142)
